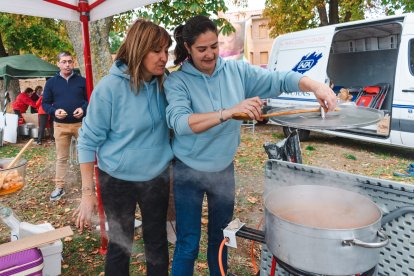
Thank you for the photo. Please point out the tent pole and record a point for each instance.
(84, 18)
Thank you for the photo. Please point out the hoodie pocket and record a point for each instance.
(143, 162)
(217, 147)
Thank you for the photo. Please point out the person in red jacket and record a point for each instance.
(44, 119)
(22, 102)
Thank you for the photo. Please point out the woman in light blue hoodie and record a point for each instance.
(202, 97)
(125, 128)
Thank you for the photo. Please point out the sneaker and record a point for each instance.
(57, 194)
(39, 143)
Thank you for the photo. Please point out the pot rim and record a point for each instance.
(310, 228)
(378, 220)
(22, 162)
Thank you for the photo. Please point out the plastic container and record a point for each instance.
(13, 178)
(8, 217)
(52, 252)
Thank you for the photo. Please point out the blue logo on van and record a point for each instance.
(307, 62)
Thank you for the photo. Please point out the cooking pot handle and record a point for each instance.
(356, 242)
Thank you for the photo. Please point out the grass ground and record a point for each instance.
(81, 252)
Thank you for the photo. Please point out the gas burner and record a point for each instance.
(297, 272)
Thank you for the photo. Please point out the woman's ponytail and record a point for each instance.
(180, 51)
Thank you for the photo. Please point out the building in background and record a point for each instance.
(253, 29)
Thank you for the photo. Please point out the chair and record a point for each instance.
(249, 125)
(373, 96)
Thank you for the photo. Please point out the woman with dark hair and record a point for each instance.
(23, 101)
(125, 128)
(35, 97)
(202, 97)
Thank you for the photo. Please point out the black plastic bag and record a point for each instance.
(287, 150)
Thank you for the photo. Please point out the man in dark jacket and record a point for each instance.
(65, 98)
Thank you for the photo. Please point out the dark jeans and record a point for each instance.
(43, 119)
(189, 188)
(119, 199)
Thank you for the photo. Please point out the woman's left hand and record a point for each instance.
(83, 214)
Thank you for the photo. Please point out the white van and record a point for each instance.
(367, 56)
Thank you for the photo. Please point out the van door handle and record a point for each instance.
(408, 90)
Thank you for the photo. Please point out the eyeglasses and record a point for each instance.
(66, 61)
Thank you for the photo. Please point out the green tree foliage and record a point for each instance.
(391, 6)
(20, 34)
(115, 41)
(173, 13)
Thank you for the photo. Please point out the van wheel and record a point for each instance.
(263, 122)
(303, 133)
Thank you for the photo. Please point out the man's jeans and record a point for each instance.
(63, 136)
(120, 200)
(189, 188)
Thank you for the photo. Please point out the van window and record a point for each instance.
(411, 53)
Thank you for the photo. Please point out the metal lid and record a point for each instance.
(348, 116)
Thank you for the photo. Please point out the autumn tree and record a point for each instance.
(20, 34)
(288, 16)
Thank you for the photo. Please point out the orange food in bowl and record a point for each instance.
(12, 182)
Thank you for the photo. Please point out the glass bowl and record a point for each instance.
(13, 179)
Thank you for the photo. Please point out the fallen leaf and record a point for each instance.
(68, 239)
(252, 199)
(202, 265)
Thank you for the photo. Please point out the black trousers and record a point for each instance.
(43, 118)
(120, 199)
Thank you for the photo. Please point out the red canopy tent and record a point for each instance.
(83, 11)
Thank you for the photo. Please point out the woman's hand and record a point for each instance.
(252, 107)
(83, 214)
(325, 96)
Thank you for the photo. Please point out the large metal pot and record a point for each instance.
(34, 132)
(323, 230)
(24, 129)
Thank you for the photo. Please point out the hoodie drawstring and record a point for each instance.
(149, 95)
(210, 95)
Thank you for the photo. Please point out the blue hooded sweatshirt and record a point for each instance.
(127, 131)
(190, 91)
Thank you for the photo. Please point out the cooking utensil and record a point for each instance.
(14, 161)
(243, 116)
(323, 230)
(347, 116)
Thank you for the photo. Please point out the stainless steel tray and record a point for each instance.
(348, 116)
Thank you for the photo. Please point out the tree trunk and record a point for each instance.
(3, 52)
(333, 12)
(321, 6)
(99, 42)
